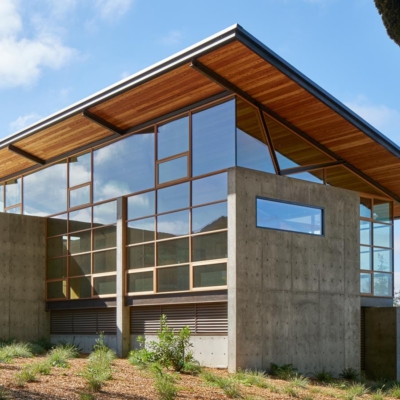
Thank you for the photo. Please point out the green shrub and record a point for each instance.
(209, 377)
(323, 376)
(290, 391)
(349, 374)
(15, 350)
(24, 376)
(59, 356)
(141, 358)
(86, 396)
(96, 373)
(101, 352)
(170, 351)
(163, 383)
(299, 381)
(228, 385)
(42, 367)
(285, 371)
(356, 390)
(378, 395)
(251, 378)
(191, 368)
(44, 343)
(395, 391)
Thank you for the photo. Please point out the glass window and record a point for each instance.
(45, 191)
(173, 198)
(382, 235)
(173, 279)
(382, 260)
(57, 290)
(123, 167)
(365, 257)
(80, 219)
(104, 238)
(104, 285)
(141, 205)
(210, 189)
(79, 196)
(313, 176)
(140, 282)
(80, 170)
(57, 225)
(382, 211)
(173, 138)
(1, 197)
(105, 214)
(141, 230)
(213, 138)
(57, 246)
(104, 261)
(210, 218)
(365, 207)
(173, 169)
(365, 283)
(172, 225)
(289, 217)
(140, 256)
(365, 232)
(210, 247)
(15, 210)
(209, 275)
(382, 284)
(80, 288)
(173, 251)
(13, 192)
(80, 242)
(57, 268)
(80, 265)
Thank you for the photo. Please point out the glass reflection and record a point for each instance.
(79, 196)
(382, 235)
(13, 192)
(105, 214)
(141, 205)
(209, 275)
(80, 170)
(104, 238)
(382, 260)
(141, 230)
(56, 268)
(365, 283)
(57, 225)
(314, 176)
(210, 247)
(57, 246)
(105, 285)
(213, 137)
(365, 232)
(172, 225)
(105, 261)
(45, 191)
(173, 138)
(57, 290)
(382, 284)
(80, 219)
(140, 282)
(80, 288)
(382, 211)
(173, 198)
(140, 256)
(173, 279)
(80, 265)
(123, 167)
(80, 242)
(209, 218)
(210, 189)
(173, 251)
(365, 207)
(172, 170)
(365, 257)
(1, 197)
(14, 210)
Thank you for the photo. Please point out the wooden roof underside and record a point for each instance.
(180, 87)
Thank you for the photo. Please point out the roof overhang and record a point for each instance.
(233, 60)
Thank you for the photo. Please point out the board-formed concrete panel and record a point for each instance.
(293, 297)
(22, 283)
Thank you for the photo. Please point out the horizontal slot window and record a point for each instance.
(284, 216)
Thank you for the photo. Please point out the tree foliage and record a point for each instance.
(390, 12)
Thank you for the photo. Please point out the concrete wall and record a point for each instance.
(85, 342)
(382, 342)
(209, 351)
(292, 298)
(22, 277)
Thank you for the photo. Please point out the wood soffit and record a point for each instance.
(181, 86)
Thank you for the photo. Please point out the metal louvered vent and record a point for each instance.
(204, 318)
(84, 322)
(362, 350)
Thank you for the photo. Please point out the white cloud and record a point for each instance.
(172, 38)
(23, 121)
(385, 119)
(23, 58)
(111, 9)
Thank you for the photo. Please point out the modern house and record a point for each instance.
(220, 187)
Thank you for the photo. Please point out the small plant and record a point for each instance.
(323, 376)
(44, 343)
(290, 391)
(378, 395)
(356, 390)
(59, 356)
(24, 376)
(251, 378)
(164, 383)
(3, 393)
(299, 381)
(191, 368)
(349, 374)
(95, 374)
(395, 391)
(228, 385)
(209, 377)
(42, 368)
(15, 350)
(86, 396)
(285, 371)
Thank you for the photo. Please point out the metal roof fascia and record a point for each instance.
(211, 43)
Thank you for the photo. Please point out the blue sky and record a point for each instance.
(56, 52)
